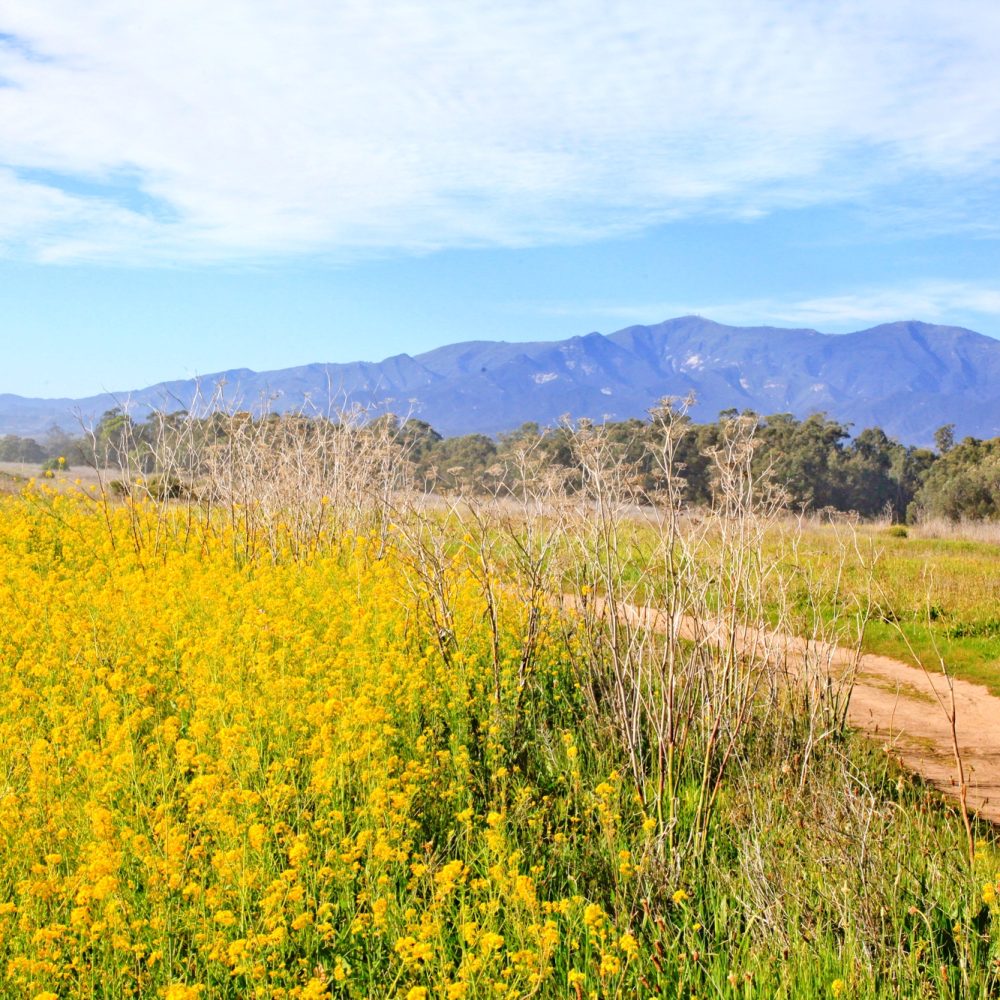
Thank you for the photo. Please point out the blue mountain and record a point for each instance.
(908, 378)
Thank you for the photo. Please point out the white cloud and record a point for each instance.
(258, 128)
(932, 301)
(928, 301)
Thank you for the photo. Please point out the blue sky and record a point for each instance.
(188, 189)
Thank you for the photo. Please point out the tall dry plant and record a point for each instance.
(506, 539)
(672, 608)
(285, 482)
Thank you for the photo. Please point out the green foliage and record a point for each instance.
(964, 483)
(57, 443)
(57, 464)
(944, 438)
(815, 461)
(18, 449)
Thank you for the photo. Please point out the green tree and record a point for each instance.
(944, 438)
(964, 482)
(19, 449)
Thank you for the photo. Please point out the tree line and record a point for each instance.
(816, 460)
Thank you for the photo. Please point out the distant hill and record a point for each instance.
(908, 378)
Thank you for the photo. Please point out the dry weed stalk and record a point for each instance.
(509, 540)
(948, 706)
(667, 692)
(678, 653)
(283, 481)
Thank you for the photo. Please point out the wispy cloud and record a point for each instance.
(928, 301)
(935, 301)
(266, 129)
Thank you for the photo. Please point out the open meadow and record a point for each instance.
(926, 595)
(320, 741)
(935, 597)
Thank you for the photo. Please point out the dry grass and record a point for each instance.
(981, 532)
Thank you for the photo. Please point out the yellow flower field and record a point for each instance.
(228, 772)
(258, 780)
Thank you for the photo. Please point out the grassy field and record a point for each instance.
(14, 476)
(386, 763)
(926, 596)
(927, 601)
(933, 600)
(11, 479)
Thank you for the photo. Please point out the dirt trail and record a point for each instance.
(902, 707)
(908, 709)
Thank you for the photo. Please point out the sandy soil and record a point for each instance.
(906, 709)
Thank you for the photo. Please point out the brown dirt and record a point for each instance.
(909, 711)
(906, 709)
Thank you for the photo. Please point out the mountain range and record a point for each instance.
(908, 378)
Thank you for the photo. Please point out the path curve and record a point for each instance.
(904, 708)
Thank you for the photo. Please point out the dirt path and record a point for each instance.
(908, 710)
(904, 708)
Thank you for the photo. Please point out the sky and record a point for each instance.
(187, 188)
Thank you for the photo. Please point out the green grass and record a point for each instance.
(934, 600)
(926, 600)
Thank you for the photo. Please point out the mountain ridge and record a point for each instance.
(908, 377)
